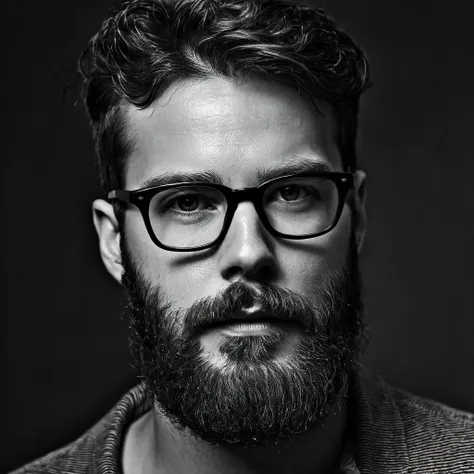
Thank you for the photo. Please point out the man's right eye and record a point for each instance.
(188, 203)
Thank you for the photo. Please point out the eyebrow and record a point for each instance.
(207, 176)
(298, 166)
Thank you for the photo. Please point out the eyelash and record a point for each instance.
(169, 208)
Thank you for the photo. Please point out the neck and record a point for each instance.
(154, 445)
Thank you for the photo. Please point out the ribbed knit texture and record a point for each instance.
(393, 432)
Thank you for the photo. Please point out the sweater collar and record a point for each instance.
(375, 434)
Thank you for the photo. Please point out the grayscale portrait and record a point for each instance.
(239, 238)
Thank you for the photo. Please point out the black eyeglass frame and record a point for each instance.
(141, 198)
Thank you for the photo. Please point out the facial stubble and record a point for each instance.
(253, 398)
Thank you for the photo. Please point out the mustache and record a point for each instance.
(277, 303)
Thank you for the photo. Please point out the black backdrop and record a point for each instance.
(66, 356)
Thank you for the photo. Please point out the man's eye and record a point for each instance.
(189, 203)
(291, 193)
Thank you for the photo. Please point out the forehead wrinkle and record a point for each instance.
(212, 110)
(216, 107)
(219, 116)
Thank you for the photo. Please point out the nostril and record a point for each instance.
(263, 273)
(268, 274)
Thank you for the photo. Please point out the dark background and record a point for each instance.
(66, 349)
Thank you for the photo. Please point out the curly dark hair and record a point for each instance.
(146, 45)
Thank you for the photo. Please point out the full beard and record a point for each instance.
(253, 398)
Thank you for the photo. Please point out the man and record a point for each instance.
(233, 218)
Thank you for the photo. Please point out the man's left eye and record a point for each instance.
(187, 203)
(292, 193)
(191, 202)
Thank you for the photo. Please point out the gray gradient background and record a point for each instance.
(66, 350)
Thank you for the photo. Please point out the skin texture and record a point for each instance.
(233, 129)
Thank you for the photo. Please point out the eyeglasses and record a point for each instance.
(185, 217)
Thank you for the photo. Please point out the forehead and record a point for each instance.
(233, 129)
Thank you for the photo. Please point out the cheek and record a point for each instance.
(141, 247)
(182, 281)
(338, 242)
(304, 264)
(186, 283)
(151, 260)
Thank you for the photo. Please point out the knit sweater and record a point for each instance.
(393, 432)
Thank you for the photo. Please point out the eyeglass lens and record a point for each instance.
(192, 216)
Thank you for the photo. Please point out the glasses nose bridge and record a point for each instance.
(245, 194)
(236, 196)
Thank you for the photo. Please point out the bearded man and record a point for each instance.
(233, 217)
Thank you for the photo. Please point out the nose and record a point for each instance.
(246, 251)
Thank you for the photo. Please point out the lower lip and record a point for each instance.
(254, 328)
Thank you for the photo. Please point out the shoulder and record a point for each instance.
(74, 458)
(433, 424)
(97, 450)
(410, 433)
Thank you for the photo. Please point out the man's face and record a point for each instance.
(283, 378)
(233, 131)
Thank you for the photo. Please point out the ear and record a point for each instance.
(107, 228)
(360, 216)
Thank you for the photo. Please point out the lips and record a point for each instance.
(253, 317)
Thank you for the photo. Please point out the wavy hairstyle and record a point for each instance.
(146, 45)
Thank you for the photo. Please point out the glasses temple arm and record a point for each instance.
(119, 194)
